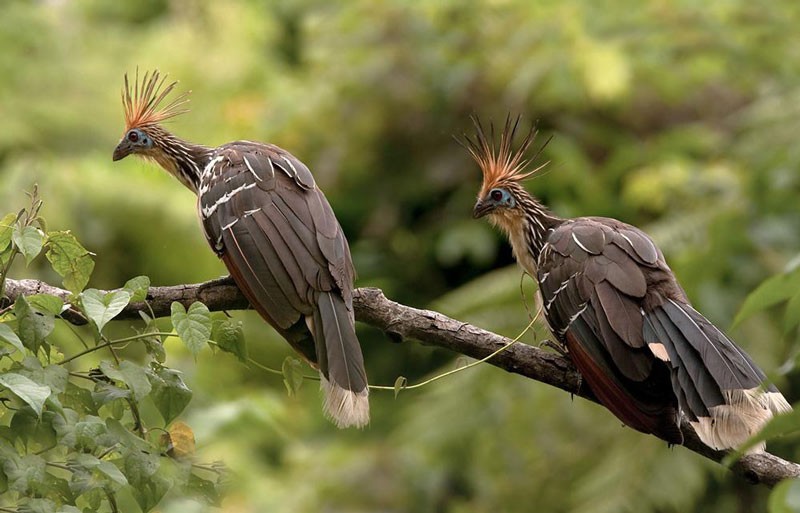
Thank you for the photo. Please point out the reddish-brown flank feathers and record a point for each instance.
(142, 101)
(502, 163)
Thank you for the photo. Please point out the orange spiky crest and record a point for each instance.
(502, 164)
(143, 100)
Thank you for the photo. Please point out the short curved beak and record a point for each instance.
(481, 209)
(122, 150)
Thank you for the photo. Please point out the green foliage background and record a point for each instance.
(678, 117)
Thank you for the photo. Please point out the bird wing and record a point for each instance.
(274, 229)
(592, 279)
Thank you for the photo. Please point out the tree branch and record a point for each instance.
(403, 322)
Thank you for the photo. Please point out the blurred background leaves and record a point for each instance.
(679, 117)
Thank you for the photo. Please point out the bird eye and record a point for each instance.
(497, 194)
(133, 136)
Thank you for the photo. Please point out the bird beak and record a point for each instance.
(122, 150)
(481, 209)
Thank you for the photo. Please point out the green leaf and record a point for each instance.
(138, 288)
(29, 391)
(193, 326)
(399, 384)
(7, 335)
(170, 394)
(791, 318)
(46, 303)
(134, 376)
(29, 241)
(33, 327)
(101, 308)
(774, 290)
(70, 260)
(785, 498)
(6, 228)
(229, 337)
(39, 506)
(207, 489)
(91, 463)
(292, 374)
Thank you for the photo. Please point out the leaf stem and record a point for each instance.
(111, 343)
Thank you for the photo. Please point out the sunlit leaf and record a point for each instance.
(46, 303)
(70, 260)
(102, 307)
(6, 228)
(292, 371)
(193, 326)
(138, 288)
(26, 389)
(774, 290)
(229, 336)
(132, 375)
(8, 336)
(29, 241)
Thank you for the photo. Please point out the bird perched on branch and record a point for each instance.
(610, 298)
(265, 217)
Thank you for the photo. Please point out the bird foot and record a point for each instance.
(558, 347)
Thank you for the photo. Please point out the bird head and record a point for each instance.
(503, 170)
(144, 113)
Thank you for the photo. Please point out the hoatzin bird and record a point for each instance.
(612, 301)
(265, 217)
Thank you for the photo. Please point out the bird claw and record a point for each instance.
(558, 347)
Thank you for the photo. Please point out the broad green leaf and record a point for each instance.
(33, 327)
(785, 498)
(791, 318)
(108, 469)
(101, 308)
(29, 241)
(26, 389)
(25, 473)
(134, 376)
(771, 292)
(193, 326)
(292, 374)
(207, 489)
(170, 394)
(7, 335)
(54, 376)
(40, 506)
(138, 288)
(6, 228)
(104, 393)
(46, 303)
(70, 260)
(229, 337)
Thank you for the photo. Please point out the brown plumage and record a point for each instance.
(611, 299)
(265, 217)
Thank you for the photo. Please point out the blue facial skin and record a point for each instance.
(135, 140)
(497, 198)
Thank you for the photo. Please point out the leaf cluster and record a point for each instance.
(100, 432)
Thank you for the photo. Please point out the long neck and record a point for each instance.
(527, 225)
(537, 223)
(182, 159)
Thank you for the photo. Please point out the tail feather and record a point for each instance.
(720, 389)
(341, 364)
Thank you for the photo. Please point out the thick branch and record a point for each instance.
(403, 322)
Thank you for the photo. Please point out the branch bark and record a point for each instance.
(401, 322)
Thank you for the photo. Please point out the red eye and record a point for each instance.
(497, 194)
(133, 136)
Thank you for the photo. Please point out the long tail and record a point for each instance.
(719, 387)
(341, 364)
